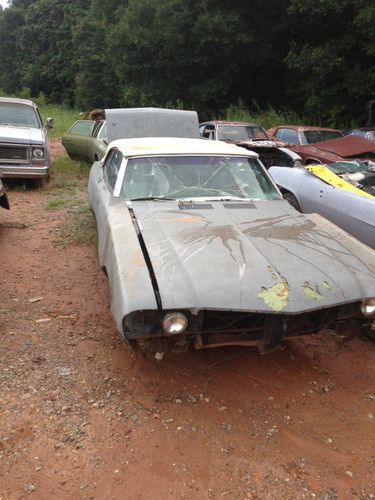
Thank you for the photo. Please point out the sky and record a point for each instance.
(4, 3)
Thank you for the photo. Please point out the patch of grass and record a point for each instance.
(68, 175)
(78, 227)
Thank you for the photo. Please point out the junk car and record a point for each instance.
(252, 137)
(324, 145)
(88, 139)
(23, 140)
(200, 247)
(343, 192)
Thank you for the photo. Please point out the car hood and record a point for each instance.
(348, 146)
(21, 135)
(151, 122)
(261, 256)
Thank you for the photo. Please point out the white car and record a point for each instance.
(199, 246)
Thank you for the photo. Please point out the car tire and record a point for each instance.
(292, 200)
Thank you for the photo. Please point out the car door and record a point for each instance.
(99, 141)
(77, 140)
(105, 188)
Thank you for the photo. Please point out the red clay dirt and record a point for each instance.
(84, 417)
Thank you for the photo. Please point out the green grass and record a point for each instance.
(63, 118)
(67, 193)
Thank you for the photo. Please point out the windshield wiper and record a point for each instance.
(152, 198)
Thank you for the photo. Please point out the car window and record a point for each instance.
(111, 167)
(98, 130)
(180, 177)
(19, 115)
(209, 132)
(102, 134)
(240, 133)
(82, 127)
(312, 136)
(287, 135)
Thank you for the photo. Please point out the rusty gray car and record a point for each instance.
(200, 247)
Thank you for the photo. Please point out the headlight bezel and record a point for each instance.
(37, 153)
(174, 323)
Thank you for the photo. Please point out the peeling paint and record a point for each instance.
(312, 292)
(276, 297)
(326, 285)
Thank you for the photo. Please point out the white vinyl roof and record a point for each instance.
(152, 146)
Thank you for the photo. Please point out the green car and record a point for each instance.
(86, 140)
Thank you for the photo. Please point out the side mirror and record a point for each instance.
(49, 123)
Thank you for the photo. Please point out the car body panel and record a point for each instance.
(254, 249)
(353, 213)
(17, 143)
(151, 122)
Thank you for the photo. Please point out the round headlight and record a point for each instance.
(368, 307)
(297, 163)
(174, 323)
(38, 153)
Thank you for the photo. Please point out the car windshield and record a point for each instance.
(189, 177)
(349, 167)
(240, 133)
(312, 136)
(19, 115)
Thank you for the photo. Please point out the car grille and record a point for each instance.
(13, 153)
(252, 324)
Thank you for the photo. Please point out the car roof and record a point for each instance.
(17, 101)
(302, 128)
(230, 123)
(145, 146)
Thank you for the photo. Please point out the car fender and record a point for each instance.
(353, 213)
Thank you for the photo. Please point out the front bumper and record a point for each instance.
(219, 328)
(24, 171)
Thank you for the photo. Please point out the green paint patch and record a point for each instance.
(312, 292)
(276, 297)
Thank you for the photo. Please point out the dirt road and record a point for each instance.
(83, 417)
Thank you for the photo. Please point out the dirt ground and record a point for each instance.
(84, 417)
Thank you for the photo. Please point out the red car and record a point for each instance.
(323, 145)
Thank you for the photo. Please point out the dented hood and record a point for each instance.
(262, 256)
(347, 147)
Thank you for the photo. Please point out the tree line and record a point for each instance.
(311, 56)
